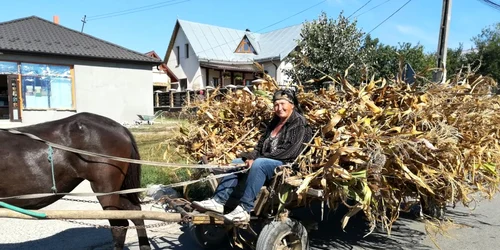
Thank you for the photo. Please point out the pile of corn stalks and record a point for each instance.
(378, 143)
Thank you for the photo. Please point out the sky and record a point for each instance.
(144, 26)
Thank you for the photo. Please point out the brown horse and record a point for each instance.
(26, 169)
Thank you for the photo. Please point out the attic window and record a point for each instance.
(245, 46)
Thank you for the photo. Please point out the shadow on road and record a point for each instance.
(87, 238)
(331, 236)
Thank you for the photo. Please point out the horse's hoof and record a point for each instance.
(145, 248)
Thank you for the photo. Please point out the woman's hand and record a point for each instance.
(249, 163)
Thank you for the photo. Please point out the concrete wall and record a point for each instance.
(119, 91)
(284, 78)
(160, 76)
(189, 67)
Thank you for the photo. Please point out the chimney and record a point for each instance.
(55, 19)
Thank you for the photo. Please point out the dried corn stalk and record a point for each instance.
(377, 143)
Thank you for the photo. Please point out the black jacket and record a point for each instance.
(294, 133)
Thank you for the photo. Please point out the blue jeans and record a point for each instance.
(261, 171)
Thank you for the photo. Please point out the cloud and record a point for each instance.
(416, 32)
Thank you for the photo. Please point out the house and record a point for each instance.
(48, 71)
(163, 78)
(202, 55)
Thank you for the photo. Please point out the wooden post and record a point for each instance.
(222, 78)
(188, 97)
(94, 215)
(171, 99)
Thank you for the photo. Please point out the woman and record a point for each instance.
(282, 142)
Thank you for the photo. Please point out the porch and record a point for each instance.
(223, 74)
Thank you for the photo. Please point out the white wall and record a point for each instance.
(119, 91)
(160, 76)
(283, 78)
(189, 67)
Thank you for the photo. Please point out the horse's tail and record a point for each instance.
(133, 176)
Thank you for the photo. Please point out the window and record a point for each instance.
(46, 86)
(187, 50)
(184, 83)
(178, 55)
(245, 46)
(8, 68)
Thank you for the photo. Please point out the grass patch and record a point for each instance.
(154, 142)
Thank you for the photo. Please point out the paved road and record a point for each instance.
(478, 230)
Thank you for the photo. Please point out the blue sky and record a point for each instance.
(150, 28)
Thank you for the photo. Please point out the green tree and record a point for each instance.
(382, 59)
(488, 50)
(328, 46)
(387, 61)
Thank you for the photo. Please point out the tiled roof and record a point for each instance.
(218, 43)
(37, 35)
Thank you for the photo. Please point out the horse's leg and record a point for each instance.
(112, 202)
(141, 232)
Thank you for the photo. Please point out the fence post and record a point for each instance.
(171, 99)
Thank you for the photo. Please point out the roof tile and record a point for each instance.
(34, 34)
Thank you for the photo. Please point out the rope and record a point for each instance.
(127, 191)
(121, 159)
(51, 160)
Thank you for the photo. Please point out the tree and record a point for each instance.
(328, 46)
(382, 59)
(387, 61)
(488, 50)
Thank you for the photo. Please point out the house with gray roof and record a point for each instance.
(48, 71)
(202, 55)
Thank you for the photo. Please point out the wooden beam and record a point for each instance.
(94, 215)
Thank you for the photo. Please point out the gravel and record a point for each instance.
(57, 234)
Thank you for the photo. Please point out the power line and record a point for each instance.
(306, 9)
(134, 10)
(300, 12)
(374, 7)
(359, 8)
(490, 3)
(389, 17)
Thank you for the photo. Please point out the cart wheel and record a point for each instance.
(281, 235)
(209, 236)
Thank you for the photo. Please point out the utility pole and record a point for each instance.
(440, 74)
(84, 20)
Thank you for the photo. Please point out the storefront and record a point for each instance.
(30, 86)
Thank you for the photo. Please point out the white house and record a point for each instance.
(163, 77)
(48, 71)
(203, 55)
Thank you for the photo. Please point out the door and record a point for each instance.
(14, 105)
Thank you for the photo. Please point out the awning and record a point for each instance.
(231, 67)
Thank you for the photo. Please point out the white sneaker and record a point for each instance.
(210, 205)
(239, 214)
